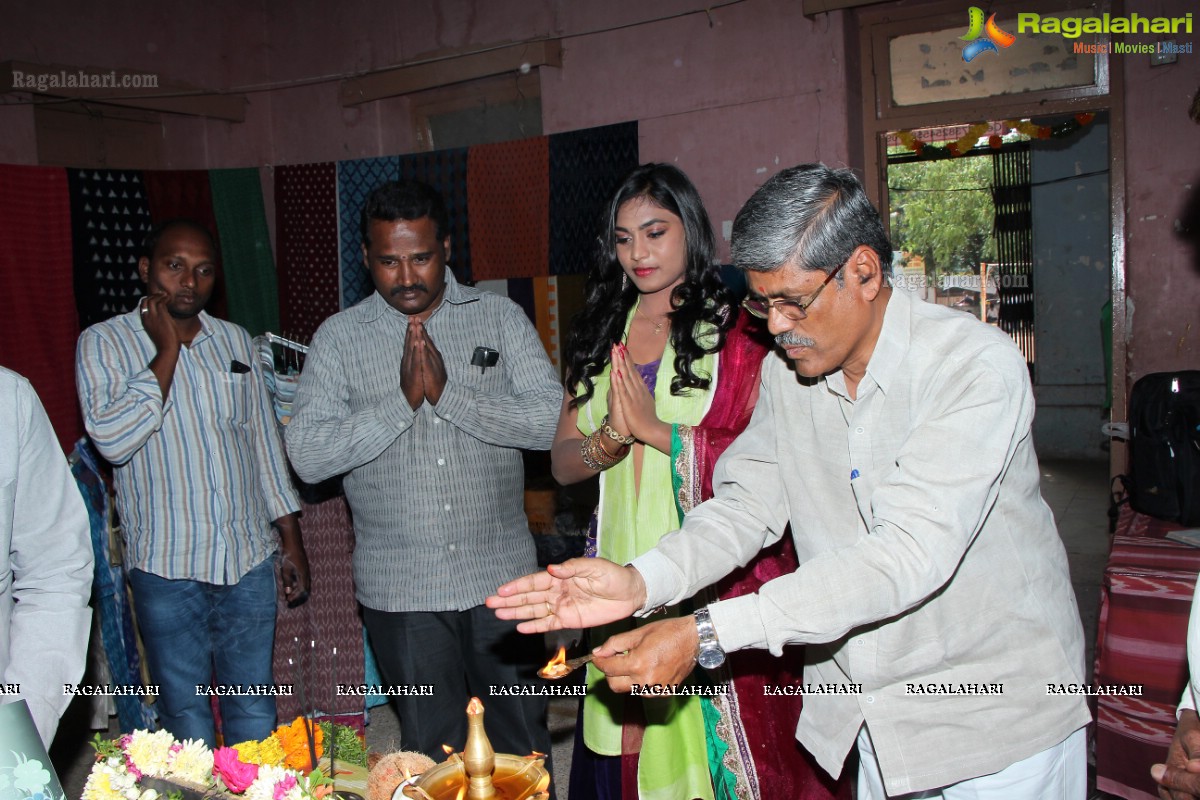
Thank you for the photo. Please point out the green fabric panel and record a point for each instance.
(724, 782)
(676, 478)
(253, 293)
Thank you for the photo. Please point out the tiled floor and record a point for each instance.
(1077, 492)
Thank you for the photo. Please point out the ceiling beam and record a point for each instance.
(394, 81)
(120, 87)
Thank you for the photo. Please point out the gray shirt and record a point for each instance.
(437, 493)
(930, 567)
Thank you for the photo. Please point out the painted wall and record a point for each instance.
(1162, 157)
(730, 95)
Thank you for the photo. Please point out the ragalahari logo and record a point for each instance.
(991, 33)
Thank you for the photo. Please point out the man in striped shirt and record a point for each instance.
(175, 399)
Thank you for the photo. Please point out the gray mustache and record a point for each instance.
(790, 339)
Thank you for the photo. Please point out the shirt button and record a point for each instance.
(437, 420)
(870, 698)
(441, 462)
(859, 430)
(447, 506)
(860, 642)
(450, 548)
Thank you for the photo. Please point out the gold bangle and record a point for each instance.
(611, 433)
(595, 456)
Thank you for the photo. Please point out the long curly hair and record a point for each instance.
(608, 296)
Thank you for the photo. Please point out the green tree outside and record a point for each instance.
(942, 210)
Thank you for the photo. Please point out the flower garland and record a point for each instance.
(966, 142)
(277, 768)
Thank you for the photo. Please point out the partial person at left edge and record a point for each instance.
(175, 399)
(45, 561)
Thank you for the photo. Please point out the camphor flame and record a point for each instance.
(448, 749)
(556, 666)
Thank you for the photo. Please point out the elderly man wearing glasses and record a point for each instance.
(894, 439)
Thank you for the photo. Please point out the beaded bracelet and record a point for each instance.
(611, 433)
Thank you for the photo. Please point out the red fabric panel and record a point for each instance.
(1131, 523)
(187, 193)
(1142, 641)
(508, 193)
(306, 222)
(40, 324)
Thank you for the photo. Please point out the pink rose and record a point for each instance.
(236, 775)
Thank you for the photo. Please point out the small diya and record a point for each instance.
(560, 666)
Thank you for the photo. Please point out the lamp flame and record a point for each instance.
(474, 707)
(556, 666)
(448, 749)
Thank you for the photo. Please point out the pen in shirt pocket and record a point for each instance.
(238, 368)
(853, 474)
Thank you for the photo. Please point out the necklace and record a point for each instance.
(658, 326)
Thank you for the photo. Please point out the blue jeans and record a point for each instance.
(194, 631)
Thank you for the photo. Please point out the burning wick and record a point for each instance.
(560, 667)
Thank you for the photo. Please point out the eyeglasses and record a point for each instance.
(791, 308)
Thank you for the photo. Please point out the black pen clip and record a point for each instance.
(484, 357)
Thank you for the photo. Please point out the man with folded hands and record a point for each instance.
(423, 396)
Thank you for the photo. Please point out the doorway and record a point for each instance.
(1009, 221)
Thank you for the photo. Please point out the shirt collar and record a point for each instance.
(894, 337)
(456, 294)
(890, 348)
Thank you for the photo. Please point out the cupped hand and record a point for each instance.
(579, 593)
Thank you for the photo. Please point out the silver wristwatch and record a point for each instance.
(711, 654)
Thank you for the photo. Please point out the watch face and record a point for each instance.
(711, 657)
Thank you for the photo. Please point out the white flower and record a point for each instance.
(150, 752)
(149, 794)
(108, 780)
(193, 763)
(263, 787)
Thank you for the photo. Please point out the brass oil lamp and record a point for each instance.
(480, 773)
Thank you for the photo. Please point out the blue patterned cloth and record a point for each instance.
(355, 180)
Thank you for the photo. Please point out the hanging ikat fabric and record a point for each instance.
(306, 222)
(110, 217)
(508, 189)
(355, 180)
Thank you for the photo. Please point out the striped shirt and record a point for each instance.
(199, 478)
(437, 493)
